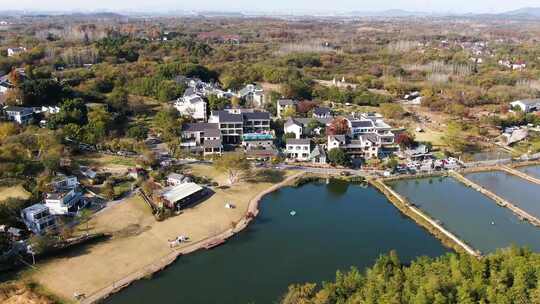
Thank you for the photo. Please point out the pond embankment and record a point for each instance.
(448, 238)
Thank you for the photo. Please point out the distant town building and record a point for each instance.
(15, 51)
(527, 105)
(20, 115)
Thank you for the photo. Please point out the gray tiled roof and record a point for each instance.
(256, 115)
(298, 141)
(321, 111)
(361, 123)
(286, 102)
(199, 127)
(212, 133)
(228, 117)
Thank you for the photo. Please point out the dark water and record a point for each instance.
(469, 214)
(490, 155)
(336, 226)
(520, 192)
(533, 171)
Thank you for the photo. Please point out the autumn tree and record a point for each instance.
(338, 126)
(235, 165)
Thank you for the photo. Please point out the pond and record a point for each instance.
(520, 192)
(533, 171)
(473, 217)
(336, 226)
(490, 155)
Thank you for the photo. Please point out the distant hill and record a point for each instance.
(524, 12)
(388, 13)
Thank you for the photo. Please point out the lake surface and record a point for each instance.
(533, 171)
(520, 192)
(336, 226)
(469, 214)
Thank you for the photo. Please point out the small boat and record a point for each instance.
(492, 223)
(292, 213)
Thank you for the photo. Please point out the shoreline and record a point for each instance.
(165, 261)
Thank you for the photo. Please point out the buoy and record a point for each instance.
(492, 223)
(292, 213)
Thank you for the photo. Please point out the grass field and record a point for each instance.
(14, 192)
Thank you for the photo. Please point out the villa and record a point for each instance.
(298, 149)
(20, 115)
(37, 218)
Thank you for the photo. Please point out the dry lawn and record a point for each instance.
(139, 240)
(13, 192)
(109, 163)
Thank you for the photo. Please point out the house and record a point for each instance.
(283, 104)
(298, 149)
(418, 153)
(527, 105)
(63, 201)
(362, 147)
(233, 123)
(20, 115)
(65, 182)
(180, 196)
(230, 125)
(212, 146)
(195, 135)
(256, 122)
(322, 112)
(175, 179)
(318, 155)
(252, 94)
(301, 126)
(136, 172)
(37, 218)
(15, 51)
(371, 123)
(293, 126)
(88, 172)
(191, 105)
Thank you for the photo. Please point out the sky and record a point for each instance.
(454, 6)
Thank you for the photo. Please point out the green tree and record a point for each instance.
(338, 156)
(235, 165)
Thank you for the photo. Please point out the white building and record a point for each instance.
(191, 105)
(253, 94)
(527, 105)
(298, 149)
(20, 115)
(283, 104)
(293, 126)
(38, 218)
(63, 202)
(15, 51)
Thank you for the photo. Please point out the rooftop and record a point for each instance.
(298, 141)
(286, 102)
(199, 127)
(256, 115)
(179, 192)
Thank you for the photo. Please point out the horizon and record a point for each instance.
(278, 6)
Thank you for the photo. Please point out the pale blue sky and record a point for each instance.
(458, 6)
